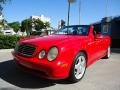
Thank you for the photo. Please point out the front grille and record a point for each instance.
(25, 49)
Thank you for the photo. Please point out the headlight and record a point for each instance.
(41, 54)
(52, 53)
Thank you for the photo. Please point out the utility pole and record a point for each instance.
(106, 11)
(79, 11)
(69, 3)
(68, 13)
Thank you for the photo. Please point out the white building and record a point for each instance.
(8, 32)
(4, 28)
(21, 33)
(42, 18)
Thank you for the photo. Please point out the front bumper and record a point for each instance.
(43, 68)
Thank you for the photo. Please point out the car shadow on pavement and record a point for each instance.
(11, 74)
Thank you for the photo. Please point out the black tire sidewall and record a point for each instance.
(72, 75)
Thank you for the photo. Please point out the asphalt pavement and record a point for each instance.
(102, 75)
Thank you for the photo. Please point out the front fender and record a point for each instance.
(67, 55)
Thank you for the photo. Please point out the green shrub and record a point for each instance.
(9, 41)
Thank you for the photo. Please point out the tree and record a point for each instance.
(29, 24)
(15, 26)
(2, 22)
(38, 24)
(26, 25)
(46, 25)
(71, 1)
(1, 3)
(62, 23)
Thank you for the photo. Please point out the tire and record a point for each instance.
(78, 68)
(108, 53)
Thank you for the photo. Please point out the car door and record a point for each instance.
(93, 48)
(100, 46)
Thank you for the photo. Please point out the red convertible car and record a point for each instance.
(65, 54)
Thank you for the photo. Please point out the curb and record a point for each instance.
(6, 50)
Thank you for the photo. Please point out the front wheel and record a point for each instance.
(78, 68)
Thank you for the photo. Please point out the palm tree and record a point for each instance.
(69, 2)
(26, 25)
(46, 25)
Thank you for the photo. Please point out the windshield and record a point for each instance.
(74, 30)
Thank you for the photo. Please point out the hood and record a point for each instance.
(53, 40)
(45, 40)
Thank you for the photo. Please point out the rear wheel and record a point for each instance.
(78, 68)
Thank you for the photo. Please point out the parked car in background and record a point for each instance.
(65, 54)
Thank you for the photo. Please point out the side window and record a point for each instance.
(82, 30)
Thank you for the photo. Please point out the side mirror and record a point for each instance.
(98, 36)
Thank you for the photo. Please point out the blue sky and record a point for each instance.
(91, 10)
